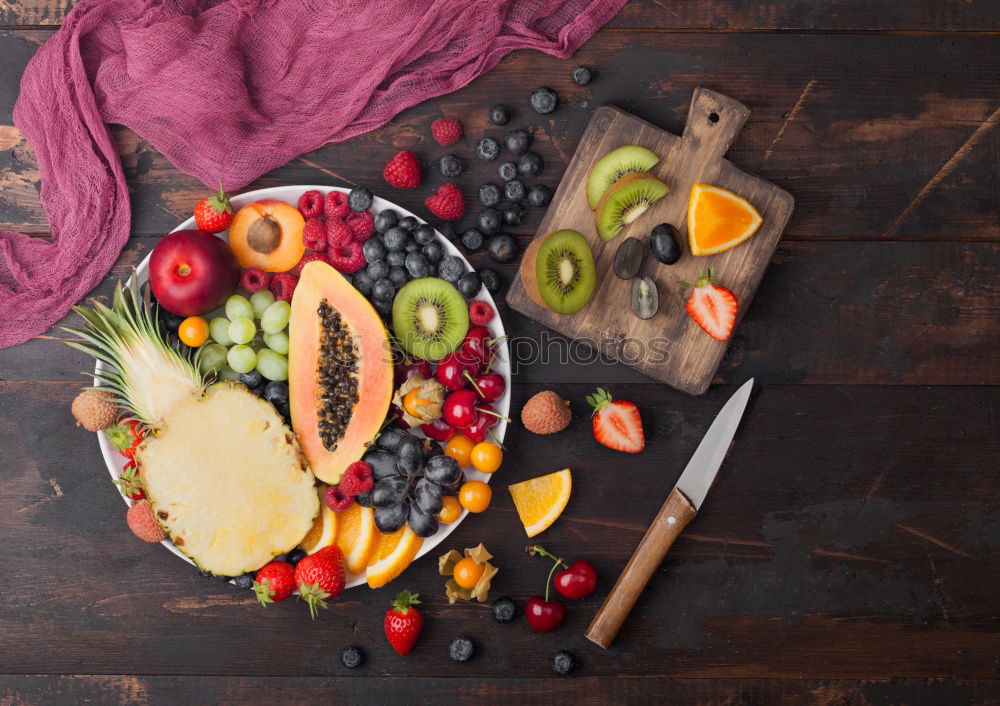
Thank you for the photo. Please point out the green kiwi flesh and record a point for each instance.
(628, 199)
(565, 271)
(429, 318)
(613, 166)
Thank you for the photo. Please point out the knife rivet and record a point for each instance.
(671, 520)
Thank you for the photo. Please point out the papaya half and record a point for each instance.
(340, 374)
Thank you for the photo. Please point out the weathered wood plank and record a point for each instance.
(852, 533)
(903, 149)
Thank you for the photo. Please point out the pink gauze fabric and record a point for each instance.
(229, 90)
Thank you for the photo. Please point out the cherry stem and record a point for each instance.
(496, 441)
(556, 563)
(473, 381)
(495, 414)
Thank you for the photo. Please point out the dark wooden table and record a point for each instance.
(850, 552)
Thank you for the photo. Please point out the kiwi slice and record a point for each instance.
(629, 198)
(614, 165)
(558, 271)
(429, 318)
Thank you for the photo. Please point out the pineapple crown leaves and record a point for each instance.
(599, 400)
(263, 591)
(404, 600)
(703, 279)
(314, 596)
(220, 202)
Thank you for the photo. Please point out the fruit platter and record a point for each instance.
(402, 445)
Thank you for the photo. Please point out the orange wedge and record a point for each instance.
(392, 555)
(541, 500)
(356, 536)
(323, 533)
(719, 220)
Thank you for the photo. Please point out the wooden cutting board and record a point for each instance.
(670, 346)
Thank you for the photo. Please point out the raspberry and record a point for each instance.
(338, 233)
(335, 205)
(447, 203)
(306, 259)
(346, 259)
(311, 204)
(362, 225)
(254, 279)
(357, 479)
(314, 234)
(283, 286)
(336, 500)
(480, 313)
(447, 131)
(403, 171)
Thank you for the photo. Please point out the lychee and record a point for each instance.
(546, 413)
(143, 524)
(94, 409)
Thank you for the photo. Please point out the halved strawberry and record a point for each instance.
(712, 307)
(617, 423)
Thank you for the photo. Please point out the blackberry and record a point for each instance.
(518, 141)
(398, 276)
(460, 649)
(472, 240)
(417, 265)
(251, 379)
(508, 171)
(295, 556)
(539, 195)
(451, 165)
(530, 164)
(544, 100)
(504, 610)
(360, 199)
(450, 269)
(396, 258)
(351, 657)
(433, 252)
(383, 290)
(386, 219)
(423, 234)
(409, 224)
(490, 195)
(514, 191)
(512, 214)
(488, 149)
(582, 76)
(244, 582)
(489, 221)
(491, 280)
(395, 238)
(499, 115)
(563, 663)
(362, 282)
(374, 250)
(503, 249)
(468, 285)
(377, 270)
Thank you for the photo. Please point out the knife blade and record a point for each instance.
(678, 510)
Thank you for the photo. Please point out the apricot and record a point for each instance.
(267, 234)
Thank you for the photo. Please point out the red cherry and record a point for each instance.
(439, 430)
(543, 615)
(459, 409)
(476, 346)
(405, 368)
(490, 386)
(452, 368)
(577, 581)
(484, 421)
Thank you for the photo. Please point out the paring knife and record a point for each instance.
(679, 509)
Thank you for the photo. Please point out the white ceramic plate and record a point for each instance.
(290, 194)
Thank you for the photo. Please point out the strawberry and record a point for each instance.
(320, 576)
(126, 436)
(129, 483)
(274, 582)
(403, 622)
(447, 203)
(213, 214)
(617, 423)
(447, 131)
(712, 307)
(403, 171)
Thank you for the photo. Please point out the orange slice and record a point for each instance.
(719, 220)
(541, 500)
(356, 536)
(392, 555)
(323, 533)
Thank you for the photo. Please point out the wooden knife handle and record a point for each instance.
(673, 517)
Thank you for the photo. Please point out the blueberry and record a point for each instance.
(360, 199)
(491, 280)
(544, 100)
(295, 556)
(417, 265)
(489, 221)
(664, 242)
(468, 285)
(499, 115)
(244, 582)
(409, 224)
(472, 240)
(514, 191)
(259, 390)
(503, 248)
(433, 251)
(276, 392)
(451, 268)
(411, 247)
(447, 230)
(508, 171)
(373, 249)
(173, 322)
(582, 76)
(489, 195)
(251, 379)
(378, 270)
(512, 214)
(383, 290)
(385, 220)
(383, 307)
(362, 282)
(396, 258)
(518, 141)
(394, 238)
(504, 610)
(423, 234)
(530, 164)
(539, 195)
(398, 276)
(563, 663)
(351, 657)
(488, 149)
(451, 165)
(461, 649)
(202, 572)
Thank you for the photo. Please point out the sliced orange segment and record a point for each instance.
(356, 536)
(541, 500)
(719, 220)
(392, 555)
(323, 533)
